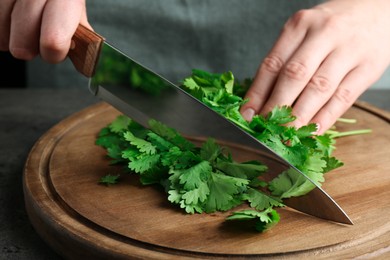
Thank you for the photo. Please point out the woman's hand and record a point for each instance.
(40, 27)
(324, 59)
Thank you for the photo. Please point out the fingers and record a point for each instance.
(57, 30)
(302, 65)
(351, 87)
(297, 72)
(24, 28)
(289, 40)
(42, 27)
(322, 85)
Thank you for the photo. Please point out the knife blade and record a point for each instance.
(124, 83)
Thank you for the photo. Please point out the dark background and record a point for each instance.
(12, 71)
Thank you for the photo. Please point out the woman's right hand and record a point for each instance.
(40, 27)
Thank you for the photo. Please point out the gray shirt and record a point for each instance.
(173, 37)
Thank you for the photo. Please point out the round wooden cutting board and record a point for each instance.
(80, 218)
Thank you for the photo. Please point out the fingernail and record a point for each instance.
(248, 114)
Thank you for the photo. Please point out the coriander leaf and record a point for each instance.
(190, 208)
(331, 164)
(107, 139)
(246, 170)
(178, 159)
(316, 164)
(141, 144)
(131, 153)
(222, 192)
(273, 217)
(120, 124)
(186, 159)
(281, 115)
(210, 150)
(257, 183)
(195, 176)
(174, 196)
(191, 84)
(261, 201)
(265, 219)
(109, 179)
(171, 157)
(309, 142)
(228, 79)
(144, 163)
(199, 194)
(325, 144)
(306, 130)
(160, 143)
(243, 215)
(170, 135)
(290, 183)
(115, 153)
(153, 176)
(297, 155)
(193, 87)
(174, 179)
(258, 125)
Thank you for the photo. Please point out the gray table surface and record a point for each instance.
(25, 115)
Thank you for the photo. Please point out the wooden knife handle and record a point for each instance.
(85, 49)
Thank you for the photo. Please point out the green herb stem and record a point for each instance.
(346, 120)
(335, 134)
(246, 128)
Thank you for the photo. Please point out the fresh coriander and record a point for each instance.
(206, 178)
(109, 179)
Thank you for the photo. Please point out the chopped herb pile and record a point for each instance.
(206, 179)
(198, 179)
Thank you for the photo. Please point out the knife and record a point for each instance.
(124, 83)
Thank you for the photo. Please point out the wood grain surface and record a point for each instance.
(80, 218)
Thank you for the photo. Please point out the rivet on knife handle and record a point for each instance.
(85, 50)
